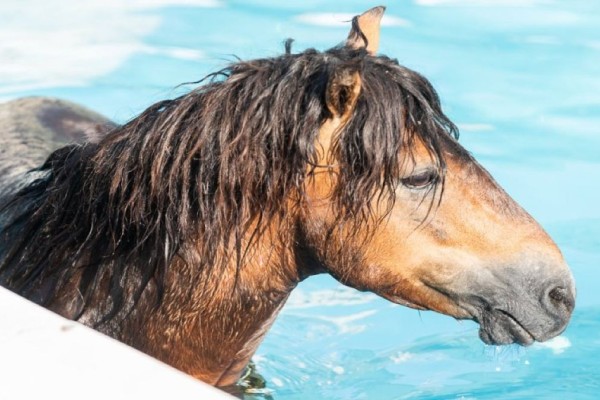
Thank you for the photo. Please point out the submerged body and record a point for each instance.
(183, 232)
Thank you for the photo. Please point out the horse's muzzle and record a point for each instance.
(526, 312)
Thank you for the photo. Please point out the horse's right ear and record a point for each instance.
(343, 89)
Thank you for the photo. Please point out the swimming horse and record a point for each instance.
(183, 232)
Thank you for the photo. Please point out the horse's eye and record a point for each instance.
(420, 180)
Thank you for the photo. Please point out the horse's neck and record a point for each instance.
(212, 331)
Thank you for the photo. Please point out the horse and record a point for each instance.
(183, 231)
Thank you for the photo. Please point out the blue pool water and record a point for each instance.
(519, 77)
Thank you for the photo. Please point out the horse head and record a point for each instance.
(443, 235)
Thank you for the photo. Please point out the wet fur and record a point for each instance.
(201, 170)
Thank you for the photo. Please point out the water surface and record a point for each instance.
(519, 77)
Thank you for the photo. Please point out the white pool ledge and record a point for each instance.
(43, 355)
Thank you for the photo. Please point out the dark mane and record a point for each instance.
(204, 166)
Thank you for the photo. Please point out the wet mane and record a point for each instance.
(189, 177)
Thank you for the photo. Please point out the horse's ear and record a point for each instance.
(342, 92)
(365, 30)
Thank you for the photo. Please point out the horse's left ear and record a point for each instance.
(342, 92)
(365, 30)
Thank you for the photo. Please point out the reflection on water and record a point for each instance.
(254, 385)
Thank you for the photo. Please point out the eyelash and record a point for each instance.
(421, 180)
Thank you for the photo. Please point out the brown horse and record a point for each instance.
(183, 232)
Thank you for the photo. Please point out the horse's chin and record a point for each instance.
(498, 327)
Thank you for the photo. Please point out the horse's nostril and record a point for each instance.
(558, 294)
(561, 297)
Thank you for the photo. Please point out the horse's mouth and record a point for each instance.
(500, 327)
(496, 325)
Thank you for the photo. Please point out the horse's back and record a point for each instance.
(31, 128)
